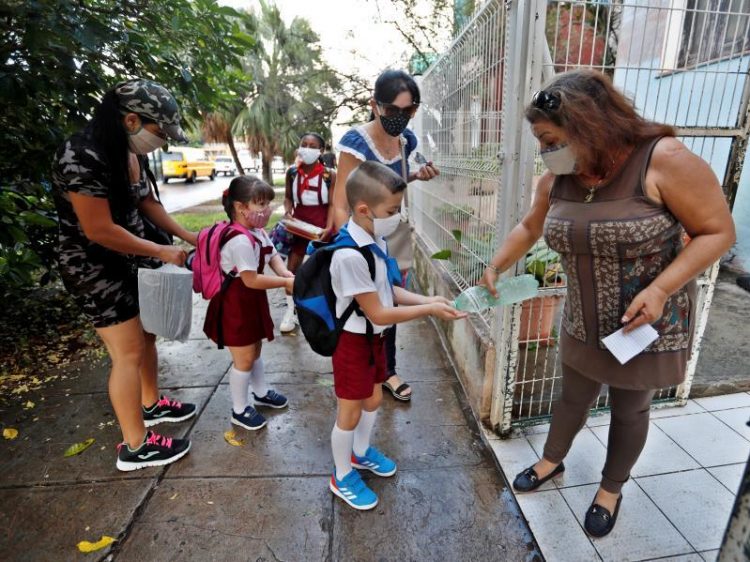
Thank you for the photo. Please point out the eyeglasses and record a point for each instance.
(546, 101)
(391, 110)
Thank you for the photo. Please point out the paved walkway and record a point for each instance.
(266, 500)
(676, 507)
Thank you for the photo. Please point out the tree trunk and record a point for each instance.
(267, 175)
(235, 157)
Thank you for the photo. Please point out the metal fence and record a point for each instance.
(683, 62)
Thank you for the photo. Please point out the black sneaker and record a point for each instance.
(167, 410)
(156, 450)
(272, 399)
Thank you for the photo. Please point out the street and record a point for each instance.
(178, 195)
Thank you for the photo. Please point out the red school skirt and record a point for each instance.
(243, 315)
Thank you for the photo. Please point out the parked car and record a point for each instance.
(188, 164)
(277, 165)
(248, 162)
(225, 165)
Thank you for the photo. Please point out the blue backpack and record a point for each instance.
(315, 299)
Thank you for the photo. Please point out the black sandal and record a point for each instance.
(398, 392)
(599, 521)
(528, 480)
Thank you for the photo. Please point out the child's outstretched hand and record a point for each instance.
(446, 311)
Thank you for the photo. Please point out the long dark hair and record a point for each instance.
(597, 117)
(390, 84)
(110, 136)
(246, 189)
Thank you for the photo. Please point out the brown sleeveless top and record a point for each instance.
(611, 249)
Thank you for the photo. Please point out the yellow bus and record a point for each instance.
(186, 163)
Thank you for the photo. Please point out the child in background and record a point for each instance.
(238, 316)
(374, 193)
(308, 193)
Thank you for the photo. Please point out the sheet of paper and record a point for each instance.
(626, 346)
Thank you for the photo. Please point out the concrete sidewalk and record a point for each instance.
(266, 500)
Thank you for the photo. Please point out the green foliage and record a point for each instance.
(293, 90)
(58, 57)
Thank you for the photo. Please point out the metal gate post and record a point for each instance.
(525, 41)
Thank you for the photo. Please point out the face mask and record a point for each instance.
(560, 160)
(258, 219)
(144, 141)
(395, 125)
(385, 227)
(308, 155)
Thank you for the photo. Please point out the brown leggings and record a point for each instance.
(627, 431)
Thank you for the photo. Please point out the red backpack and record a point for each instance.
(208, 278)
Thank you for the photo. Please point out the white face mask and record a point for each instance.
(144, 141)
(385, 227)
(308, 155)
(560, 160)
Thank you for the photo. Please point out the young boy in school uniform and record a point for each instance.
(374, 193)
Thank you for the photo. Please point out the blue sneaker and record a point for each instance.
(272, 399)
(374, 461)
(249, 419)
(353, 491)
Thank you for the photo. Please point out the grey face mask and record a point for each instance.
(560, 160)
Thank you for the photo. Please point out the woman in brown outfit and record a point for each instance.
(614, 203)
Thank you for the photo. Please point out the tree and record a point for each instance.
(57, 58)
(292, 90)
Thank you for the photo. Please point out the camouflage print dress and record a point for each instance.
(103, 282)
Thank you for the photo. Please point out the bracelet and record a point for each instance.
(493, 268)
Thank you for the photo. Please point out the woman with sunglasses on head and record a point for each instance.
(618, 195)
(100, 191)
(383, 139)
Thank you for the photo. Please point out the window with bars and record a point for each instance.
(714, 30)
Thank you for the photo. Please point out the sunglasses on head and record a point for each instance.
(545, 101)
(391, 110)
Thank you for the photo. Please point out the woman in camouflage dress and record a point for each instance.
(619, 193)
(100, 191)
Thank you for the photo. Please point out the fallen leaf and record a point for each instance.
(29, 405)
(10, 433)
(174, 495)
(231, 438)
(86, 546)
(210, 503)
(78, 448)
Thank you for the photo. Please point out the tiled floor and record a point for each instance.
(676, 506)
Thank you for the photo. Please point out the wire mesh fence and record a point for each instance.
(682, 62)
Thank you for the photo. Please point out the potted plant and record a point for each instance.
(538, 314)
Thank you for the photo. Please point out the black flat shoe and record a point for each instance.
(599, 521)
(528, 480)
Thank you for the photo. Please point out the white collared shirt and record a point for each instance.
(242, 254)
(350, 276)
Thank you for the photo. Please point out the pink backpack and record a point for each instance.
(208, 278)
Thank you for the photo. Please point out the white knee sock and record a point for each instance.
(341, 445)
(258, 379)
(363, 431)
(238, 383)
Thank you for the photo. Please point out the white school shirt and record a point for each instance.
(350, 276)
(309, 196)
(241, 254)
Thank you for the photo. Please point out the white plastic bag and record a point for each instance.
(165, 295)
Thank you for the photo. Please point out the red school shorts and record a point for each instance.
(353, 374)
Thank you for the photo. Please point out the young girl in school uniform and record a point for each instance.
(238, 316)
